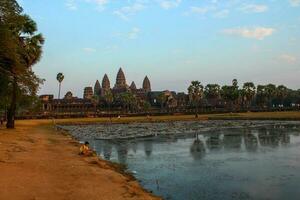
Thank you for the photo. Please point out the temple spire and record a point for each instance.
(120, 80)
(132, 86)
(105, 82)
(97, 88)
(146, 84)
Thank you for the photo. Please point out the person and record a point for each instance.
(85, 150)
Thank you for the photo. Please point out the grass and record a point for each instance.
(290, 115)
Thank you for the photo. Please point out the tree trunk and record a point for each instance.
(196, 111)
(59, 90)
(11, 112)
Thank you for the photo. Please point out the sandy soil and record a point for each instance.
(37, 162)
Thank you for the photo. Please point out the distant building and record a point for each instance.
(71, 104)
(88, 93)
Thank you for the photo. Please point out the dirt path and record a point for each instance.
(38, 163)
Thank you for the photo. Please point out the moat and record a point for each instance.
(237, 160)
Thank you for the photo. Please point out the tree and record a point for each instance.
(270, 92)
(146, 106)
(231, 93)
(281, 93)
(128, 101)
(20, 49)
(248, 93)
(212, 93)
(162, 98)
(195, 91)
(95, 101)
(109, 98)
(261, 96)
(59, 77)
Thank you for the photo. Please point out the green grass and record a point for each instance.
(291, 115)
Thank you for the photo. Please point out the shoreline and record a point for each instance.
(50, 167)
(284, 116)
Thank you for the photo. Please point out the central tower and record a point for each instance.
(120, 80)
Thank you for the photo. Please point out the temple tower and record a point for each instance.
(132, 86)
(88, 93)
(97, 88)
(105, 82)
(146, 84)
(120, 80)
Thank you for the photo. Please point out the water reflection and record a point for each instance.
(122, 150)
(232, 141)
(251, 142)
(107, 150)
(214, 142)
(229, 140)
(220, 164)
(197, 149)
(148, 147)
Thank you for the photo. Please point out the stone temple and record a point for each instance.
(120, 86)
(74, 105)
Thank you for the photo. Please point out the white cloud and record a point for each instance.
(133, 34)
(295, 3)
(127, 11)
(168, 4)
(222, 14)
(254, 8)
(200, 10)
(258, 33)
(288, 58)
(99, 3)
(89, 50)
(71, 5)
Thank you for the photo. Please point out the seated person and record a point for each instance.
(85, 150)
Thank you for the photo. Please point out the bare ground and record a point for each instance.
(37, 162)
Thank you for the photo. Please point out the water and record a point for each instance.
(247, 163)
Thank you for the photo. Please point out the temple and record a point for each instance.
(120, 87)
(96, 98)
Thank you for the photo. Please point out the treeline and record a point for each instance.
(233, 97)
(20, 49)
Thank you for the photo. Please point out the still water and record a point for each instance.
(248, 163)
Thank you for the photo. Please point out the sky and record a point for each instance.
(171, 41)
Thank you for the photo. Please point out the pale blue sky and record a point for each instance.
(171, 41)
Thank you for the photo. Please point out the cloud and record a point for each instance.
(99, 3)
(254, 8)
(222, 14)
(295, 3)
(89, 50)
(71, 5)
(127, 11)
(168, 4)
(288, 58)
(200, 10)
(133, 34)
(258, 33)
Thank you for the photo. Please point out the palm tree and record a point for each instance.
(23, 49)
(162, 98)
(261, 96)
(59, 77)
(195, 91)
(146, 106)
(212, 93)
(281, 93)
(248, 92)
(231, 93)
(270, 91)
(128, 101)
(109, 98)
